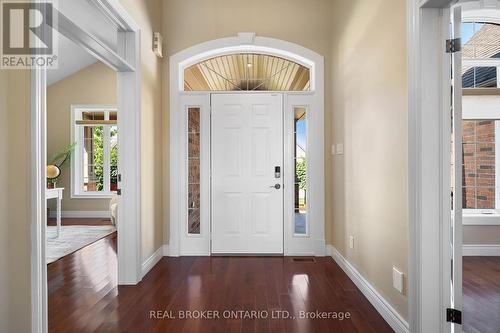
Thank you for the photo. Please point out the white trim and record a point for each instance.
(165, 251)
(229, 45)
(83, 214)
(129, 242)
(426, 67)
(481, 250)
(150, 262)
(481, 219)
(93, 45)
(39, 314)
(481, 107)
(390, 315)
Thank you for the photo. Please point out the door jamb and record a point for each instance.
(426, 79)
(129, 97)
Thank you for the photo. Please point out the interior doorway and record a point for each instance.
(246, 173)
(122, 55)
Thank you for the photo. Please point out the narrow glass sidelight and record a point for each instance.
(300, 163)
(193, 137)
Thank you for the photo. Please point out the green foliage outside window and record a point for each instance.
(98, 157)
(300, 173)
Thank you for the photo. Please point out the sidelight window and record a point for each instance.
(300, 163)
(193, 137)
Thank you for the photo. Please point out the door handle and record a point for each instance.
(276, 186)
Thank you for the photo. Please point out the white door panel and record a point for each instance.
(247, 211)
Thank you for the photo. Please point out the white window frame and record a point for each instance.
(481, 62)
(77, 161)
(481, 108)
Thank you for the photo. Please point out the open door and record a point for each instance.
(454, 232)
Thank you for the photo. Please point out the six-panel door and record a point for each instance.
(247, 196)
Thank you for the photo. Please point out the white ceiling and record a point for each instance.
(71, 59)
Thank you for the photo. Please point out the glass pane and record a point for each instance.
(479, 77)
(113, 165)
(93, 115)
(480, 40)
(112, 115)
(193, 137)
(478, 150)
(246, 72)
(93, 159)
(300, 161)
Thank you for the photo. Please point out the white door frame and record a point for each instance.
(126, 61)
(314, 243)
(429, 168)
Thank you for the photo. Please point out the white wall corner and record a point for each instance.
(246, 38)
(165, 250)
(391, 316)
(149, 263)
(320, 249)
(481, 250)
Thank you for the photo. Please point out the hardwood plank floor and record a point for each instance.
(79, 221)
(481, 289)
(84, 297)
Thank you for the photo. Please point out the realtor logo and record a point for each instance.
(27, 34)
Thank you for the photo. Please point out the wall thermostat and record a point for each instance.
(158, 44)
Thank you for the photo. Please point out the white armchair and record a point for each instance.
(113, 208)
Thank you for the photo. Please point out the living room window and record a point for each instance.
(95, 161)
(480, 138)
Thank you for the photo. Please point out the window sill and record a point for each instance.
(481, 219)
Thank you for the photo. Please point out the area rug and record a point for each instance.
(72, 238)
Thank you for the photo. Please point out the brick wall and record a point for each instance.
(478, 138)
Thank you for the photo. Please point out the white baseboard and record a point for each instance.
(481, 250)
(152, 261)
(75, 214)
(391, 316)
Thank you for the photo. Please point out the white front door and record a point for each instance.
(247, 187)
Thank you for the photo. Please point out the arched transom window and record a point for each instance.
(247, 72)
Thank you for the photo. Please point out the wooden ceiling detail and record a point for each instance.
(246, 71)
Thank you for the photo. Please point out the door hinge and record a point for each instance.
(119, 177)
(453, 45)
(119, 191)
(454, 316)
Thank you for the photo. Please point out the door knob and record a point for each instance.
(276, 186)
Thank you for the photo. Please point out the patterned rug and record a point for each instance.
(72, 238)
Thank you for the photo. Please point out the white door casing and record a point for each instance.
(247, 198)
(182, 243)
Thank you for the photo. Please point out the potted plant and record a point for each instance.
(57, 162)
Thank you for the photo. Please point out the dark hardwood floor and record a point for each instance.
(84, 297)
(481, 288)
(79, 221)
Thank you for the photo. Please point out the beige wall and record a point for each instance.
(95, 84)
(363, 43)
(15, 204)
(307, 23)
(370, 101)
(148, 15)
